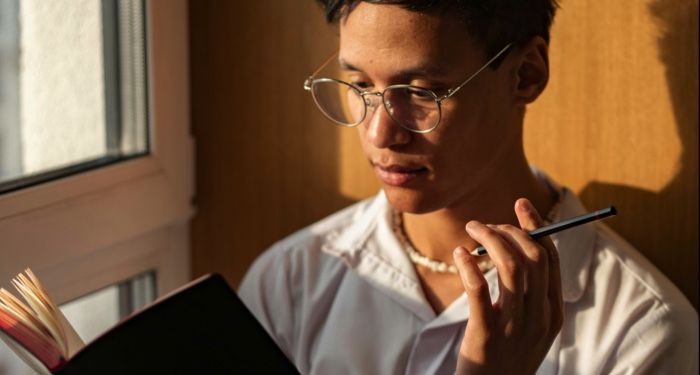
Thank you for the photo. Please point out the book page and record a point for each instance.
(72, 340)
(24, 355)
(16, 334)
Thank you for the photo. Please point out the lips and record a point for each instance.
(398, 175)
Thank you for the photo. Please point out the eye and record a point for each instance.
(422, 94)
(364, 85)
(435, 87)
(418, 93)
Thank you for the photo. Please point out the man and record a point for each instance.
(437, 91)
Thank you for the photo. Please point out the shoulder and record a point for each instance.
(296, 273)
(633, 277)
(601, 271)
(631, 316)
(302, 257)
(305, 247)
(634, 307)
(622, 315)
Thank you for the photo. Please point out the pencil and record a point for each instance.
(562, 225)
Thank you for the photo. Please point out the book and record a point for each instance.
(202, 327)
(37, 328)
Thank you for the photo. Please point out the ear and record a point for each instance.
(531, 71)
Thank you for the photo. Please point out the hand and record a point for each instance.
(513, 334)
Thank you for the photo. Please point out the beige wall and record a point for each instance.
(618, 124)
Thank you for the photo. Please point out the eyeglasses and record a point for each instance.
(414, 108)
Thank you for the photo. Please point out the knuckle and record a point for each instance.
(510, 329)
(511, 266)
(535, 253)
(489, 232)
(507, 227)
(478, 289)
(534, 217)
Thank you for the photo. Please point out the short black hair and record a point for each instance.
(493, 23)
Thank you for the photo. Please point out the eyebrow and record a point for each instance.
(417, 71)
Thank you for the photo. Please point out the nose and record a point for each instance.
(382, 131)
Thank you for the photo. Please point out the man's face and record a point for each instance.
(421, 173)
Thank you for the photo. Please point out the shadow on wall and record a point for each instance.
(266, 156)
(676, 206)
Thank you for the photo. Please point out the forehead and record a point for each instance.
(380, 35)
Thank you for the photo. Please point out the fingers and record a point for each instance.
(507, 262)
(529, 313)
(545, 275)
(554, 291)
(528, 269)
(477, 288)
(536, 265)
(555, 295)
(528, 217)
(529, 220)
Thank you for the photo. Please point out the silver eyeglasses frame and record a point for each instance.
(311, 81)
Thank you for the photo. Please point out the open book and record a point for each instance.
(202, 327)
(37, 328)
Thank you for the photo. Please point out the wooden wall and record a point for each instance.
(618, 124)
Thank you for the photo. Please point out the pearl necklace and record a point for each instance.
(438, 265)
(413, 254)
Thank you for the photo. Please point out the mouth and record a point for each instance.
(398, 175)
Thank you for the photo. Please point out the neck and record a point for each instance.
(438, 233)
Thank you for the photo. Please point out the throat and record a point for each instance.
(439, 277)
(440, 290)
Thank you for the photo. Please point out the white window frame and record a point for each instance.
(91, 230)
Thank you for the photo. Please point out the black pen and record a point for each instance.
(566, 224)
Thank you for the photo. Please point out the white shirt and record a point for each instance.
(342, 297)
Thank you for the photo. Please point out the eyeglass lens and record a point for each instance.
(411, 107)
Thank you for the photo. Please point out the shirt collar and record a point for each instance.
(368, 247)
(369, 235)
(575, 246)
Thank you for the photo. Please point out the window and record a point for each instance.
(73, 87)
(93, 314)
(104, 217)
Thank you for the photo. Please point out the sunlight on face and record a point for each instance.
(386, 45)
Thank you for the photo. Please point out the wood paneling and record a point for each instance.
(618, 124)
(266, 161)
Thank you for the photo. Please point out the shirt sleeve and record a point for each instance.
(265, 290)
(663, 342)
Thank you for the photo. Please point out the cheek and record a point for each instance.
(364, 143)
(472, 124)
(467, 141)
(458, 132)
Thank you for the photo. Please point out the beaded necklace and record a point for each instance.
(437, 265)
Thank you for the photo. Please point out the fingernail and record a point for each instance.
(525, 205)
(460, 252)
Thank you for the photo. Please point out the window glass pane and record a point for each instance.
(93, 314)
(72, 87)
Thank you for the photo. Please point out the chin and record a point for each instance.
(410, 201)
